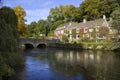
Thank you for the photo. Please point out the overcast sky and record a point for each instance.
(39, 9)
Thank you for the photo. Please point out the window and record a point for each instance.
(90, 30)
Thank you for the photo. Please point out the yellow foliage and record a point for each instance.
(20, 13)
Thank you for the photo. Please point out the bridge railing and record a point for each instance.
(39, 40)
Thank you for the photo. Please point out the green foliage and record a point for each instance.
(64, 38)
(51, 34)
(42, 27)
(118, 2)
(74, 33)
(90, 9)
(31, 29)
(56, 24)
(65, 13)
(35, 29)
(93, 9)
(9, 57)
(103, 31)
(116, 19)
(84, 39)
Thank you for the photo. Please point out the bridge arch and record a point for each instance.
(33, 43)
(28, 45)
(41, 45)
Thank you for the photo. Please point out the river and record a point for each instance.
(56, 64)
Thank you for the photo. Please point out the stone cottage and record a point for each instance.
(98, 29)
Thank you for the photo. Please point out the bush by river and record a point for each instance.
(10, 59)
(89, 45)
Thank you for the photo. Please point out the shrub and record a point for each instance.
(64, 38)
(9, 57)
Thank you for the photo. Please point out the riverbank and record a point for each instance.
(88, 45)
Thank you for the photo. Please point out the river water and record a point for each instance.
(56, 64)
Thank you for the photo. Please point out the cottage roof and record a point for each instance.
(62, 26)
(67, 26)
(98, 22)
(73, 25)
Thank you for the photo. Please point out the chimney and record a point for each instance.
(104, 17)
(84, 21)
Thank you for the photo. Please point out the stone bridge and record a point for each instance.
(30, 42)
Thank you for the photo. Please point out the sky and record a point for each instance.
(38, 9)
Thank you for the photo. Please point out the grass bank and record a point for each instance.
(89, 45)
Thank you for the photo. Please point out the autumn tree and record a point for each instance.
(20, 12)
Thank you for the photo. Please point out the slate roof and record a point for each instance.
(98, 22)
(73, 25)
(67, 26)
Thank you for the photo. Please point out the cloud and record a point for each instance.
(48, 3)
(37, 14)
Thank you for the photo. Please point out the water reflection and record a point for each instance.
(52, 64)
(93, 65)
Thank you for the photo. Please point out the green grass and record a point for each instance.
(96, 43)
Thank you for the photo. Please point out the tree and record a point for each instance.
(93, 9)
(77, 15)
(67, 12)
(116, 20)
(31, 29)
(41, 27)
(9, 57)
(107, 6)
(20, 12)
(55, 14)
(118, 2)
(90, 9)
